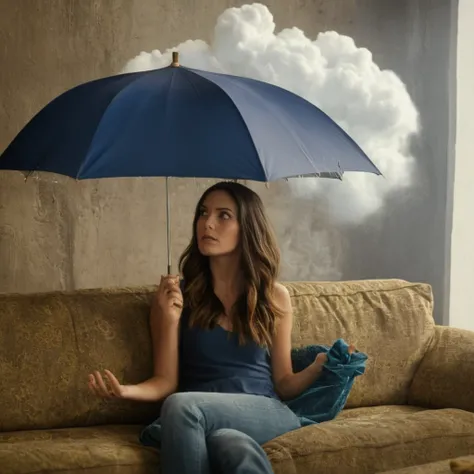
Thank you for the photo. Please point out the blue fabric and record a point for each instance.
(214, 361)
(184, 123)
(322, 401)
(326, 397)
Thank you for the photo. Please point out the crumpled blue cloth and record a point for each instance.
(151, 434)
(326, 397)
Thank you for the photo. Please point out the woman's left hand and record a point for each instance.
(320, 360)
(322, 357)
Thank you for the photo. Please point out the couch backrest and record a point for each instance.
(390, 320)
(50, 342)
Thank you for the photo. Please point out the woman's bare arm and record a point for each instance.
(288, 384)
(164, 325)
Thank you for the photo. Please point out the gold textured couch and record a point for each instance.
(414, 405)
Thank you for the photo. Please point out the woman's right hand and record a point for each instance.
(114, 389)
(169, 298)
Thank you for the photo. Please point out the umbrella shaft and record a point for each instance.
(168, 227)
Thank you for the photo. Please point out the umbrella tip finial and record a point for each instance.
(175, 62)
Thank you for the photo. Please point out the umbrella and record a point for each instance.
(182, 122)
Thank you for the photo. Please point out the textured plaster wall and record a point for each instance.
(59, 234)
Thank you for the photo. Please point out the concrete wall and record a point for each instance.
(462, 250)
(60, 234)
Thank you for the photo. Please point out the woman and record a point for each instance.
(222, 392)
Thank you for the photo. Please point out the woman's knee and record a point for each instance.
(177, 405)
(227, 442)
(229, 449)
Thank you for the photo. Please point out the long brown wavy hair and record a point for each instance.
(255, 313)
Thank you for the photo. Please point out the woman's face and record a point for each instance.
(217, 228)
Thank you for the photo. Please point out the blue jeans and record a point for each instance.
(203, 433)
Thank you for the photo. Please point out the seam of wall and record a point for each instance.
(451, 161)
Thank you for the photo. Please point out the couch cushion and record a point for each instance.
(378, 413)
(440, 381)
(390, 320)
(440, 467)
(95, 450)
(376, 442)
(361, 440)
(50, 342)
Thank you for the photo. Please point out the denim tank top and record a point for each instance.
(212, 360)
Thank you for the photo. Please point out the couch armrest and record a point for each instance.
(445, 377)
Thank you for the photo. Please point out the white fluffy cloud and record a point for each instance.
(371, 104)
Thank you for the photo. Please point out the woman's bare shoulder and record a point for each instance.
(282, 296)
(280, 289)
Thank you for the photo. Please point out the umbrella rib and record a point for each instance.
(241, 118)
(170, 87)
(119, 92)
(303, 151)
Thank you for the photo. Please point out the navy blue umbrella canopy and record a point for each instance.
(182, 122)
